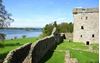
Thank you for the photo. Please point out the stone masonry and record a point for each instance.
(33, 53)
(86, 25)
(68, 58)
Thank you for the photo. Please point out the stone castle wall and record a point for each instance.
(85, 10)
(68, 58)
(33, 53)
(86, 25)
(18, 55)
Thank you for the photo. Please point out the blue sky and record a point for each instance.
(38, 13)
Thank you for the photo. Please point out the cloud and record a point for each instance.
(29, 22)
(40, 21)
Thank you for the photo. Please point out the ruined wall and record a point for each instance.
(86, 25)
(68, 58)
(43, 46)
(18, 55)
(69, 36)
(35, 51)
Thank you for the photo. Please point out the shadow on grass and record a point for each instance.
(3, 56)
(49, 54)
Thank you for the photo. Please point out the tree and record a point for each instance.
(62, 28)
(70, 27)
(5, 18)
(47, 30)
(55, 24)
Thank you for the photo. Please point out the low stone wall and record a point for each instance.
(18, 55)
(69, 36)
(43, 46)
(68, 59)
(33, 53)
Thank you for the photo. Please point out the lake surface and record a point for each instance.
(11, 33)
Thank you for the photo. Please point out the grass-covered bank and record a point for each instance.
(77, 50)
(9, 45)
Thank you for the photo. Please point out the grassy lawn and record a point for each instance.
(85, 57)
(77, 50)
(12, 44)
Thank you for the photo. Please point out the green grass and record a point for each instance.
(12, 44)
(77, 50)
(57, 57)
(85, 57)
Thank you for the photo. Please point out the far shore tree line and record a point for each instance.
(63, 27)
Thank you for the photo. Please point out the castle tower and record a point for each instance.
(86, 25)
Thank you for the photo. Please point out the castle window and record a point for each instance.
(86, 18)
(92, 35)
(81, 36)
(87, 42)
(82, 27)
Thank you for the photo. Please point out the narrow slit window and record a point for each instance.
(82, 27)
(87, 42)
(86, 18)
(81, 35)
(92, 35)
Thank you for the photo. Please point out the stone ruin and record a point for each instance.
(33, 53)
(68, 58)
(86, 25)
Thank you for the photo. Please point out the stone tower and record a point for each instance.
(86, 25)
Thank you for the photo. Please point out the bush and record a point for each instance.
(24, 36)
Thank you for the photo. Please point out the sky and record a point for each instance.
(38, 13)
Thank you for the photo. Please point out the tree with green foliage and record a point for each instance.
(62, 28)
(70, 25)
(5, 19)
(47, 30)
(55, 24)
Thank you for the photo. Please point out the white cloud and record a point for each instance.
(26, 22)
(36, 22)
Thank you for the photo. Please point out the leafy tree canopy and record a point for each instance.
(5, 18)
(62, 28)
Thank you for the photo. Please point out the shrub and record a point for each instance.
(24, 36)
